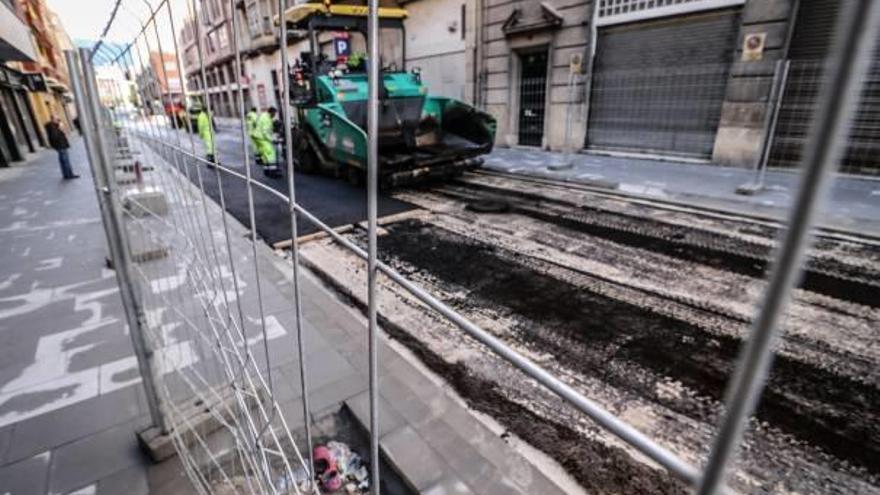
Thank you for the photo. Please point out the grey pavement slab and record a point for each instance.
(74, 422)
(329, 398)
(130, 481)
(314, 337)
(324, 366)
(448, 486)
(86, 461)
(417, 462)
(462, 457)
(389, 419)
(412, 407)
(27, 476)
(5, 440)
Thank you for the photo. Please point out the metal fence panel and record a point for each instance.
(203, 342)
(799, 108)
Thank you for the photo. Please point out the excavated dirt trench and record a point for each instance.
(635, 348)
(597, 467)
(823, 275)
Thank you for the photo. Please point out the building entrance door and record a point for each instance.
(532, 95)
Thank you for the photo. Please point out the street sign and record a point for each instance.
(575, 64)
(753, 46)
(342, 46)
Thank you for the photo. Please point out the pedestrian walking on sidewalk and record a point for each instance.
(58, 142)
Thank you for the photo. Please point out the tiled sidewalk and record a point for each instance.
(70, 395)
(436, 444)
(66, 423)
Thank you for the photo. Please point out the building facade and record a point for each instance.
(260, 55)
(437, 40)
(17, 122)
(432, 46)
(687, 80)
(160, 83)
(50, 96)
(115, 89)
(215, 34)
(680, 79)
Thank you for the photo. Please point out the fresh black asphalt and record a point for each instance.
(334, 201)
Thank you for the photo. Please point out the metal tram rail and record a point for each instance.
(857, 31)
(716, 212)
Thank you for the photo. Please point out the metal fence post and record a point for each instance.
(856, 34)
(374, 80)
(86, 96)
(780, 79)
(774, 118)
(589, 61)
(294, 231)
(566, 162)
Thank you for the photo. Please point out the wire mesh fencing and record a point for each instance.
(197, 311)
(799, 106)
(193, 291)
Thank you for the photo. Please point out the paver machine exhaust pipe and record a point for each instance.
(421, 136)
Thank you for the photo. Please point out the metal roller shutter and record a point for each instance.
(814, 27)
(658, 85)
(810, 44)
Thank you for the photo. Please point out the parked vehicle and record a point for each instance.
(180, 114)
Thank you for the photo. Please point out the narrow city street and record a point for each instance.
(853, 205)
(333, 201)
(640, 301)
(601, 247)
(644, 307)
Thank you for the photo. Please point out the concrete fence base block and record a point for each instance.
(150, 254)
(124, 178)
(128, 166)
(145, 201)
(201, 421)
(143, 243)
(142, 255)
(123, 163)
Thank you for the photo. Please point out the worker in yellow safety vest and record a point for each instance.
(264, 137)
(205, 128)
(251, 125)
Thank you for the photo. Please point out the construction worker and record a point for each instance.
(264, 137)
(251, 124)
(205, 127)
